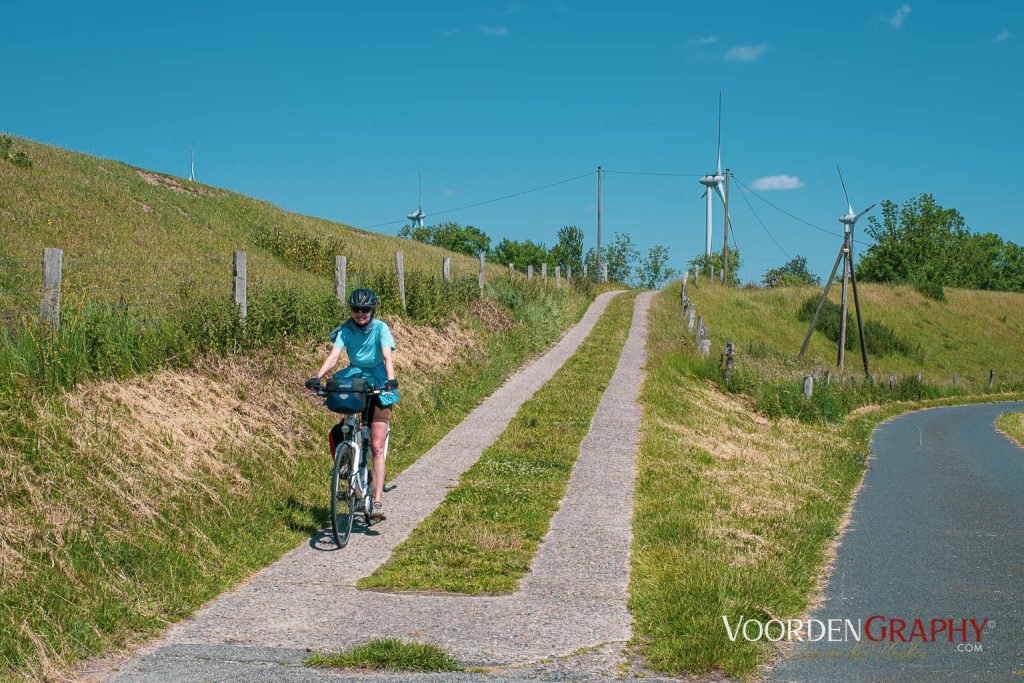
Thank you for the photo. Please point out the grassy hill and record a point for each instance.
(132, 233)
(155, 449)
(970, 333)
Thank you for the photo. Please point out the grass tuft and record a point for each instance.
(389, 654)
(1012, 424)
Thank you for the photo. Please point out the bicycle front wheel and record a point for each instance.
(343, 501)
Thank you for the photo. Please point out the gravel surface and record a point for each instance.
(574, 598)
(935, 533)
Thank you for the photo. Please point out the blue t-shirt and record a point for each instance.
(364, 348)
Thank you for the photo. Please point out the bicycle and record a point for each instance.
(351, 476)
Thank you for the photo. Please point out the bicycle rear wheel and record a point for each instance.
(343, 503)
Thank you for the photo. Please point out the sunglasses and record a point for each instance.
(360, 309)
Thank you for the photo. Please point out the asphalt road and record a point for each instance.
(937, 533)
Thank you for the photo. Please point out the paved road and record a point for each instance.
(937, 532)
(574, 597)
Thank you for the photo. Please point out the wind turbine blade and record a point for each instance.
(720, 192)
(863, 212)
(849, 206)
(719, 167)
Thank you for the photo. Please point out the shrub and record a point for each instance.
(931, 290)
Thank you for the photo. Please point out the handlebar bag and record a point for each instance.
(345, 395)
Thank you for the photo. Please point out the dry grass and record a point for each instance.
(1012, 424)
(146, 439)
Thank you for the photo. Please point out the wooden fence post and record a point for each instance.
(604, 272)
(694, 278)
(584, 270)
(828, 377)
(705, 347)
(53, 273)
(481, 275)
(446, 268)
(700, 325)
(689, 318)
(956, 378)
(558, 277)
(726, 364)
(511, 270)
(544, 273)
(529, 273)
(340, 273)
(892, 381)
(241, 280)
(808, 386)
(568, 272)
(991, 377)
(400, 269)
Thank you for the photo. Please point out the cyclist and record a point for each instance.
(369, 345)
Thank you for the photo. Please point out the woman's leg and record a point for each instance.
(378, 436)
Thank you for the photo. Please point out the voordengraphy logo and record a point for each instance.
(877, 628)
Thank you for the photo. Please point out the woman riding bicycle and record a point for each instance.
(369, 346)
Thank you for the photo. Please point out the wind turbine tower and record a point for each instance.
(713, 183)
(192, 163)
(845, 258)
(417, 216)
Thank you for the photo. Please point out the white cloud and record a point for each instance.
(901, 15)
(777, 182)
(448, 33)
(1002, 36)
(494, 30)
(745, 53)
(704, 40)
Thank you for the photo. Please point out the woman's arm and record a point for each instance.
(332, 360)
(389, 362)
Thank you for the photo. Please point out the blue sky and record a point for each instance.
(333, 108)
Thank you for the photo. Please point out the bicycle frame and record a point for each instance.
(361, 477)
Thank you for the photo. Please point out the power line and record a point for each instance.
(489, 201)
(765, 227)
(674, 175)
(794, 217)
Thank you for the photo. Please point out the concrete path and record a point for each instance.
(575, 596)
(937, 532)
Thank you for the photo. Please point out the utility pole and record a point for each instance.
(725, 233)
(599, 224)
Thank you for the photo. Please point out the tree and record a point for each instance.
(569, 250)
(619, 257)
(652, 272)
(450, 235)
(521, 254)
(916, 241)
(794, 272)
(701, 264)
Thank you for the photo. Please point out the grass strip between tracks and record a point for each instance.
(482, 538)
(735, 512)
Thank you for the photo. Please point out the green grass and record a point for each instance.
(389, 654)
(482, 538)
(124, 238)
(1013, 425)
(735, 508)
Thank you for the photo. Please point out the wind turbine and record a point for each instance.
(417, 216)
(192, 163)
(849, 277)
(713, 182)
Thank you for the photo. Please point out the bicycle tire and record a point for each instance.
(343, 509)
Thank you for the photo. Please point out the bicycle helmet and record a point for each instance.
(364, 298)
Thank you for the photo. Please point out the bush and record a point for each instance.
(879, 337)
(931, 290)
